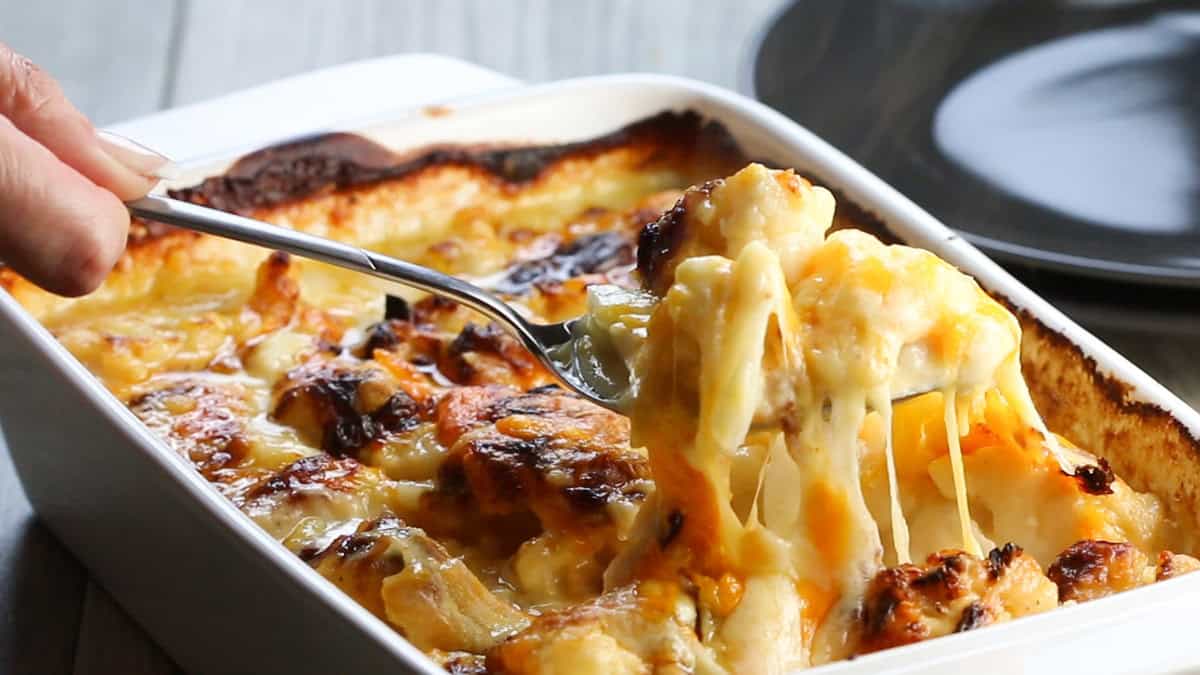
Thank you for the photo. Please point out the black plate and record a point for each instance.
(1061, 135)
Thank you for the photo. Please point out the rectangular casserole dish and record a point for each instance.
(223, 597)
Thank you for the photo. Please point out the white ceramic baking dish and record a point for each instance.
(223, 597)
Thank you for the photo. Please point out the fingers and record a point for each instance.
(62, 223)
(35, 103)
(57, 228)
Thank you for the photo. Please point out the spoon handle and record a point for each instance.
(219, 223)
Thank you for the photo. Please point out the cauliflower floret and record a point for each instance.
(951, 593)
(1093, 569)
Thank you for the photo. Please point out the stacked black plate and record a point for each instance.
(1063, 137)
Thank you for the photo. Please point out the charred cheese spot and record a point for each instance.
(396, 308)
(1094, 569)
(553, 454)
(1001, 558)
(951, 592)
(722, 216)
(658, 250)
(420, 345)
(383, 335)
(341, 407)
(214, 424)
(489, 354)
(1095, 479)
(466, 408)
(477, 355)
(436, 311)
(318, 472)
(589, 254)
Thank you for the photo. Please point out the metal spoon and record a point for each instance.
(553, 344)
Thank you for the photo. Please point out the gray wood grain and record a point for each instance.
(110, 56)
(41, 588)
(110, 642)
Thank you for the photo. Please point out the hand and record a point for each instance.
(62, 221)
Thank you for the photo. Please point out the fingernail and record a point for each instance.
(135, 156)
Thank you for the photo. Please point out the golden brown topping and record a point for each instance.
(1093, 569)
(203, 422)
(310, 473)
(341, 407)
(270, 383)
(589, 254)
(276, 294)
(292, 171)
(317, 497)
(952, 592)
(421, 345)
(489, 355)
(628, 630)
(434, 310)
(548, 452)
(466, 408)
(1001, 558)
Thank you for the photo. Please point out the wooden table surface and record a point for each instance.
(119, 59)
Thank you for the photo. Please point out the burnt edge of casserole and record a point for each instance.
(297, 169)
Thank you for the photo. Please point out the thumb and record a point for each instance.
(35, 103)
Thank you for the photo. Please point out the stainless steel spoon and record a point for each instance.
(553, 344)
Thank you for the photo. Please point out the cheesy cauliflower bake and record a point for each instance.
(830, 448)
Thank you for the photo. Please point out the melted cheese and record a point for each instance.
(767, 324)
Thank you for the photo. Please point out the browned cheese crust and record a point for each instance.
(1095, 569)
